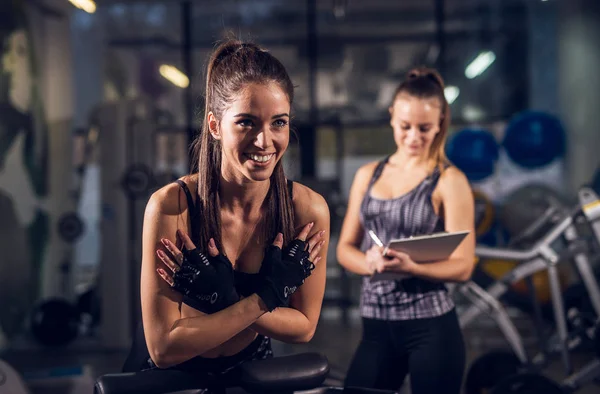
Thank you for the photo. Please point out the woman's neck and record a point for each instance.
(245, 199)
(402, 160)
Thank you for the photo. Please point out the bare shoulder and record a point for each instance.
(454, 181)
(365, 172)
(309, 205)
(170, 200)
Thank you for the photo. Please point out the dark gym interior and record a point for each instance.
(100, 100)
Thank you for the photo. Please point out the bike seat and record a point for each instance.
(284, 374)
(147, 382)
(280, 374)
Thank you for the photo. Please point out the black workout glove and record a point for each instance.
(282, 272)
(206, 282)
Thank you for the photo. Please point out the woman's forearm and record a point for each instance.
(285, 324)
(352, 259)
(190, 337)
(453, 270)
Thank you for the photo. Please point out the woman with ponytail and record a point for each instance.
(234, 253)
(409, 325)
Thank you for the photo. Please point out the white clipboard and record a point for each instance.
(424, 249)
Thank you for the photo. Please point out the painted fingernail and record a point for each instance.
(279, 237)
(211, 243)
(321, 243)
(321, 233)
(317, 259)
(311, 224)
(160, 253)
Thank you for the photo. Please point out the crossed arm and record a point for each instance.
(172, 339)
(297, 324)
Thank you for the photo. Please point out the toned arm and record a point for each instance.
(172, 339)
(348, 253)
(297, 324)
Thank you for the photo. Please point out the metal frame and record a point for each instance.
(538, 258)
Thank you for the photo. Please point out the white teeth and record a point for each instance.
(260, 159)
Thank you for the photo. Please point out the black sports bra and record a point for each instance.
(245, 283)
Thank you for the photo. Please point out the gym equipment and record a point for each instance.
(299, 373)
(126, 138)
(139, 151)
(528, 203)
(528, 383)
(138, 181)
(70, 227)
(542, 257)
(473, 151)
(497, 268)
(496, 236)
(534, 139)
(489, 369)
(54, 322)
(490, 270)
(484, 213)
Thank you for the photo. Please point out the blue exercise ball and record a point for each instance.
(534, 139)
(474, 152)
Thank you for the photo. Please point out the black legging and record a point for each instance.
(431, 350)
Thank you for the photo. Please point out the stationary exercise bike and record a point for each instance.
(302, 373)
(542, 256)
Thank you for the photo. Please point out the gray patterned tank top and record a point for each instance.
(408, 215)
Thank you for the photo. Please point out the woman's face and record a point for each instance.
(16, 63)
(254, 132)
(415, 122)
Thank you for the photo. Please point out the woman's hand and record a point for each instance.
(394, 261)
(315, 242)
(374, 258)
(283, 271)
(207, 280)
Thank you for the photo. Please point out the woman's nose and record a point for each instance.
(263, 139)
(412, 133)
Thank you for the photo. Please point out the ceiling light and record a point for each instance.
(480, 64)
(173, 75)
(88, 6)
(451, 93)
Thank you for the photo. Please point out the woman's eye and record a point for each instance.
(280, 123)
(245, 123)
(425, 129)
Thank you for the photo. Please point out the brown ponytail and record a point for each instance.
(232, 66)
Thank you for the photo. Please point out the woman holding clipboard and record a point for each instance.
(409, 323)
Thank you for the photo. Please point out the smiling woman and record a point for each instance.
(409, 320)
(223, 270)
(250, 135)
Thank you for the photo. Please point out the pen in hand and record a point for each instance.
(375, 238)
(377, 241)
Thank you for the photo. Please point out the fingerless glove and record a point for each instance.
(206, 282)
(282, 272)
